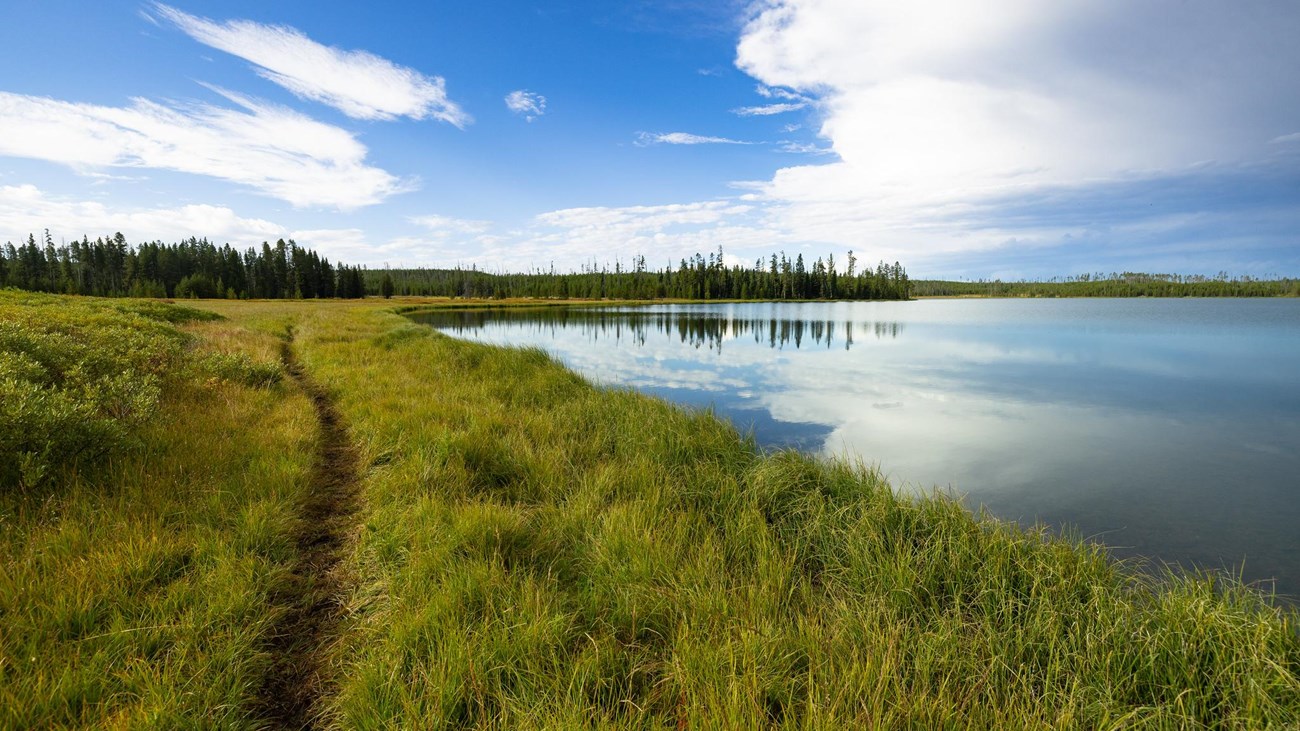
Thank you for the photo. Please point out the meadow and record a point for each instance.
(527, 550)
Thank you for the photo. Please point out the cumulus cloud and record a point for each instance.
(357, 83)
(572, 237)
(938, 109)
(645, 139)
(26, 209)
(270, 149)
(663, 234)
(526, 103)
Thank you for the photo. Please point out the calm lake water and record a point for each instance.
(1162, 427)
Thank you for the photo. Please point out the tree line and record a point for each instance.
(1115, 284)
(111, 267)
(776, 277)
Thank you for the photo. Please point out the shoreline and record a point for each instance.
(528, 545)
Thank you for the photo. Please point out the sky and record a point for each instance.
(1006, 139)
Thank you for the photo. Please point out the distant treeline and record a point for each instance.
(111, 267)
(701, 278)
(1128, 284)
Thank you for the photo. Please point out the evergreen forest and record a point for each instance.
(777, 277)
(1115, 284)
(194, 268)
(197, 268)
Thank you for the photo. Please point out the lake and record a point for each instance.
(1165, 428)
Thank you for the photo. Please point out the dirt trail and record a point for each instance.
(313, 594)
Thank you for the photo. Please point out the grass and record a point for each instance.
(535, 552)
(134, 590)
(540, 553)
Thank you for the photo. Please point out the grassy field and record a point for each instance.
(530, 551)
(135, 585)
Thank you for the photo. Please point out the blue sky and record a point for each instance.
(1012, 139)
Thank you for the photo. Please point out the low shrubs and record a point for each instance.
(78, 377)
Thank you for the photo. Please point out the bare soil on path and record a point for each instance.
(312, 595)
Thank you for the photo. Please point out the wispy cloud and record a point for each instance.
(529, 104)
(767, 110)
(446, 225)
(270, 149)
(631, 219)
(770, 92)
(644, 139)
(357, 83)
(804, 148)
(786, 101)
(1293, 137)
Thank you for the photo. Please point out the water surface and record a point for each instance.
(1165, 428)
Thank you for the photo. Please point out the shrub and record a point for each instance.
(74, 379)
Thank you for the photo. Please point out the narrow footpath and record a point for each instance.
(313, 594)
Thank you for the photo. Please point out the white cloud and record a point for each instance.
(357, 83)
(768, 92)
(662, 234)
(804, 148)
(26, 209)
(767, 110)
(644, 139)
(446, 226)
(526, 103)
(350, 246)
(273, 150)
(939, 109)
(567, 238)
(789, 101)
(631, 219)
(1293, 137)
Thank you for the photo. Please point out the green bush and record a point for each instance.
(75, 378)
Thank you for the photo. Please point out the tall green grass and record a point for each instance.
(134, 590)
(539, 553)
(535, 552)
